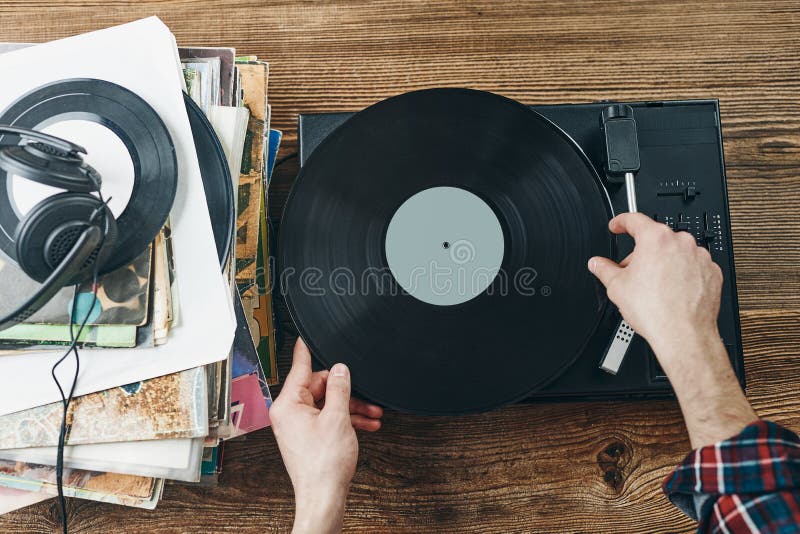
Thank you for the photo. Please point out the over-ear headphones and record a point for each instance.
(70, 236)
(66, 237)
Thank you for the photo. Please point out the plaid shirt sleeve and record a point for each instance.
(748, 483)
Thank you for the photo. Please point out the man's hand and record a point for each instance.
(668, 289)
(314, 421)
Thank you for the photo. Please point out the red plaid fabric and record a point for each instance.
(748, 483)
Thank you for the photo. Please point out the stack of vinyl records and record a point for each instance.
(178, 352)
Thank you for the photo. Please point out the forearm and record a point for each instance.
(713, 404)
(318, 511)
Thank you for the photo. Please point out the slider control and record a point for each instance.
(688, 192)
(682, 225)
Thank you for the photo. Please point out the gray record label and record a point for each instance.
(444, 246)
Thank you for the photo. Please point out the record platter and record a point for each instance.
(437, 241)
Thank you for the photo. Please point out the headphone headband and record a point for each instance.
(48, 160)
(52, 140)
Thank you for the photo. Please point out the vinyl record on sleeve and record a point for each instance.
(151, 148)
(437, 242)
(142, 132)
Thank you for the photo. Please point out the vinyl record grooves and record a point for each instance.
(390, 194)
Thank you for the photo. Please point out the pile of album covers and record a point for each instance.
(178, 355)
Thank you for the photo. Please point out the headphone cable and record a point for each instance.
(73, 347)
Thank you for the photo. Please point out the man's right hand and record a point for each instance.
(668, 289)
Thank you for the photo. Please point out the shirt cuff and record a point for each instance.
(763, 458)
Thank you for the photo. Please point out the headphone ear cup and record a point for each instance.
(50, 229)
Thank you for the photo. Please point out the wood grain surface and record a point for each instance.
(575, 467)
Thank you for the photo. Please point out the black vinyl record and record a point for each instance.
(427, 354)
(216, 176)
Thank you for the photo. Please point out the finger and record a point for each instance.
(337, 392)
(317, 385)
(627, 260)
(365, 423)
(604, 269)
(358, 406)
(300, 374)
(635, 224)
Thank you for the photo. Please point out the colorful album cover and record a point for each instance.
(127, 490)
(171, 406)
(44, 336)
(274, 143)
(193, 83)
(246, 392)
(264, 312)
(254, 87)
(163, 301)
(122, 296)
(210, 463)
(257, 299)
(214, 388)
(162, 294)
(204, 87)
(262, 306)
(226, 58)
(250, 395)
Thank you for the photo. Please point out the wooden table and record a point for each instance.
(578, 467)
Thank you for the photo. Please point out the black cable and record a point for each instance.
(73, 347)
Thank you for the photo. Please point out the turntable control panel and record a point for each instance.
(681, 182)
(705, 227)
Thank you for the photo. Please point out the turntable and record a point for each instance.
(504, 205)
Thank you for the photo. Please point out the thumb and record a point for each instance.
(604, 269)
(337, 394)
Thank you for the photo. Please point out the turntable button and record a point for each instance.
(690, 192)
(682, 226)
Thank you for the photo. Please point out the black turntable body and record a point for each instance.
(681, 183)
